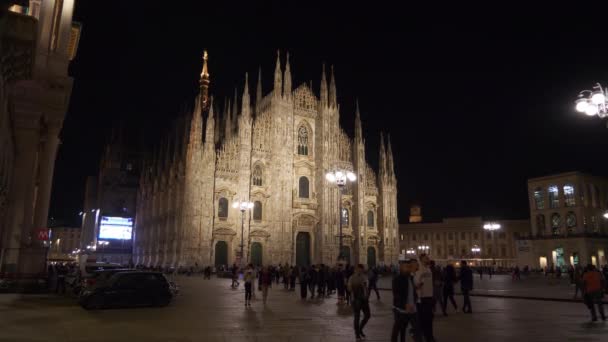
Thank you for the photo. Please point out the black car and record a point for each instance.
(127, 289)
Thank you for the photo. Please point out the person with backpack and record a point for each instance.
(357, 285)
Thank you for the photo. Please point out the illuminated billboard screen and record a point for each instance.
(118, 228)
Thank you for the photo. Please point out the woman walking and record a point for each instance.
(304, 279)
(248, 278)
(265, 282)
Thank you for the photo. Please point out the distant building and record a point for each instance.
(455, 239)
(415, 214)
(64, 240)
(37, 41)
(111, 196)
(568, 226)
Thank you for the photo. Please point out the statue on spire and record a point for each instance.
(204, 84)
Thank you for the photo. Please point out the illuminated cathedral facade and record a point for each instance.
(274, 153)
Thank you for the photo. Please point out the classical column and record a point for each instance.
(22, 190)
(46, 168)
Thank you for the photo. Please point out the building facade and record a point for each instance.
(37, 42)
(112, 193)
(274, 153)
(64, 241)
(567, 220)
(455, 239)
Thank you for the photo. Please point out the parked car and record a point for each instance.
(128, 289)
(101, 278)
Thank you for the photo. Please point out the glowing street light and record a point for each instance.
(340, 178)
(593, 102)
(492, 226)
(424, 248)
(410, 251)
(475, 249)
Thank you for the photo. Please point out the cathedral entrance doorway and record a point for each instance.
(346, 254)
(256, 254)
(303, 249)
(221, 253)
(371, 257)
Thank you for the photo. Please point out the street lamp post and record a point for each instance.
(340, 177)
(242, 206)
(475, 250)
(424, 249)
(593, 102)
(492, 227)
(410, 252)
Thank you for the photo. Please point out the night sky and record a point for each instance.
(473, 107)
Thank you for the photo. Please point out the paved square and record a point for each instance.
(208, 310)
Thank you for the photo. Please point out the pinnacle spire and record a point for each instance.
(287, 79)
(245, 108)
(204, 84)
(382, 157)
(278, 80)
(332, 89)
(210, 126)
(258, 91)
(358, 129)
(323, 86)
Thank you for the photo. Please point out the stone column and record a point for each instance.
(46, 169)
(22, 191)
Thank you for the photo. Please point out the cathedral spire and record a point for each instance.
(323, 87)
(332, 89)
(390, 161)
(358, 129)
(204, 84)
(228, 125)
(278, 81)
(258, 91)
(382, 158)
(245, 107)
(210, 126)
(287, 79)
(196, 125)
(235, 111)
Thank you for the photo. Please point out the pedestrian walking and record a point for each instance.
(312, 272)
(61, 273)
(304, 280)
(348, 273)
(357, 285)
(437, 286)
(466, 286)
(577, 279)
(248, 279)
(292, 278)
(424, 283)
(404, 302)
(480, 271)
(235, 276)
(340, 284)
(449, 278)
(372, 278)
(593, 285)
(265, 282)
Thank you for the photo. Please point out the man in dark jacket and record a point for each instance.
(404, 301)
(357, 285)
(466, 285)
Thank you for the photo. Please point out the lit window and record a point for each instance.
(303, 141)
(345, 217)
(553, 196)
(556, 222)
(569, 199)
(539, 198)
(571, 222)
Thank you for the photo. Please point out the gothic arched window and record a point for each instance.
(556, 222)
(370, 218)
(302, 141)
(257, 176)
(345, 217)
(539, 198)
(222, 208)
(303, 188)
(257, 210)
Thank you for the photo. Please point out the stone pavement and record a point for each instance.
(531, 287)
(208, 310)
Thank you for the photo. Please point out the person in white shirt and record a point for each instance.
(424, 284)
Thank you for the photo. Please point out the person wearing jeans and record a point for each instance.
(466, 286)
(248, 278)
(404, 301)
(357, 285)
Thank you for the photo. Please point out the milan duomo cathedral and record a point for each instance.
(274, 153)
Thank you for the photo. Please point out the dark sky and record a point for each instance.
(474, 106)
